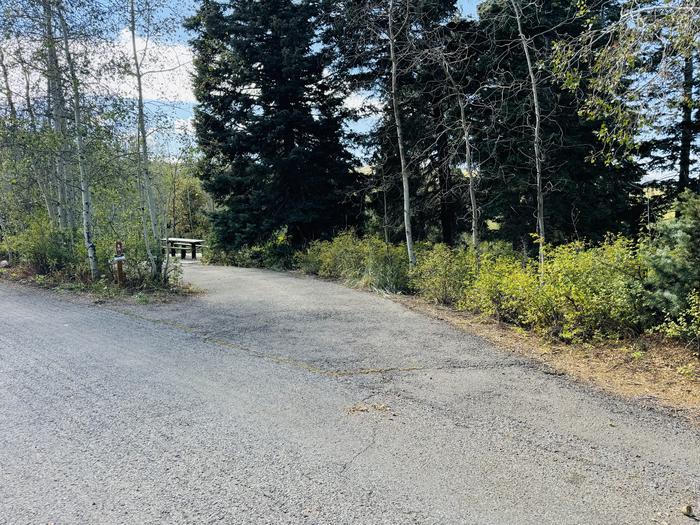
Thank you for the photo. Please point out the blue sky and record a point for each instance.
(468, 6)
(180, 108)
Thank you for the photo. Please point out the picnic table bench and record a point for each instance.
(174, 243)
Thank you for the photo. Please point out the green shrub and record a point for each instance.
(43, 248)
(673, 255)
(442, 274)
(593, 291)
(686, 327)
(310, 260)
(583, 292)
(505, 289)
(386, 266)
(343, 258)
(368, 262)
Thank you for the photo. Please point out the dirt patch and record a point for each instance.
(644, 368)
(364, 408)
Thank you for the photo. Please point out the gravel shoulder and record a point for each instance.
(274, 398)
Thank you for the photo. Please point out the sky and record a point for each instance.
(169, 93)
(468, 7)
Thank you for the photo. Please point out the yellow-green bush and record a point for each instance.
(442, 273)
(507, 290)
(309, 260)
(594, 291)
(368, 262)
(343, 258)
(42, 247)
(385, 266)
(582, 293)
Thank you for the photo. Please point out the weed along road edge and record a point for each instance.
(274, 398)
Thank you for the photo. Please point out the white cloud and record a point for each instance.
(166, 67)
(184, 126)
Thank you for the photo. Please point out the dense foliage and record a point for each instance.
(450, 150)
(269, 122)
(584, 292)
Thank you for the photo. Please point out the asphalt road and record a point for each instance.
(281, 399)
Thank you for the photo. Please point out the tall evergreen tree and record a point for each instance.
(269, 121)
(582, 199)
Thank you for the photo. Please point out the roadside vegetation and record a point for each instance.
(616, 290)
(35, 249)
(532, 162)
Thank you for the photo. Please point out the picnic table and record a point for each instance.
(175, 243)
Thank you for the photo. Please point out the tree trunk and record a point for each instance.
(399, 136)
(686, 123)
(8, 91)
(469, 161)
(444, 172)
(473, 181)
(173, 228)
(537, 141)
(86, 195)
(58, 116)
(151, 232)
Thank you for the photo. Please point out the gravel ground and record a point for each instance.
(274, 398)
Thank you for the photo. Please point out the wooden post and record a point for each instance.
(121, 278)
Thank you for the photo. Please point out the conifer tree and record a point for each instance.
(269, 122)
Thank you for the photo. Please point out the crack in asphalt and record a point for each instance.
(361, 452)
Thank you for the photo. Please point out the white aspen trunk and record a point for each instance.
(84, 178)
(466, 131)
(40, 176)
(6, 82)
(537, 144)
(151, 236)
(399, 136)
(473, 180)
(58, 115)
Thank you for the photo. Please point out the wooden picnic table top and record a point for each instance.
(184, 241)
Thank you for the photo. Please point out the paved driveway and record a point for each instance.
(282, 399)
